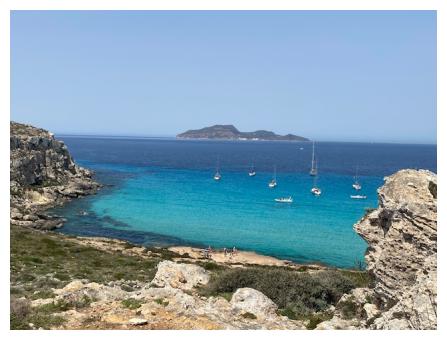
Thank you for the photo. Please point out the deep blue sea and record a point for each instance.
(161, 192)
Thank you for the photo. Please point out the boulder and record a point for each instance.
(137, 322)
(179, 275)
(252, 301)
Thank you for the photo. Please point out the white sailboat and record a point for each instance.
(273, 183)
(217, 175)
(313, 170)
(358, 197)
(252, 171)
(284, 199)
(356, 185)
(315, 189)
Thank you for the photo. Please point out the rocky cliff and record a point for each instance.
(42, 174)
(401, 258)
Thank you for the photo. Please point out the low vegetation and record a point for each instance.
(299, 295)
(132, 303)
(162, 302)
(42, 261)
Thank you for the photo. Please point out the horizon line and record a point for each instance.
(117, 136)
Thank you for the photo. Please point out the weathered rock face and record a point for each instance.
(254, 302)
(401, 233)
(401, 255)
(42, 174)
(179, 275)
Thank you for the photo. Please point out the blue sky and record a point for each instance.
(342, 76)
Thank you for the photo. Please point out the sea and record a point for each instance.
(161, 192)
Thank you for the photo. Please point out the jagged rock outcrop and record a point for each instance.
(42, 174)
(401, 255)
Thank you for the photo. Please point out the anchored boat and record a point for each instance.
(358, 197)
(356, 184)
(284, 199)
(273, 183)
(217, 175)
(315, 189)
(252, 171)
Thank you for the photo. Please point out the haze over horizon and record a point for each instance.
(329, 76)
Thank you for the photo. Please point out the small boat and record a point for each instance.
(315, 189)
(358, 197)
(313, 170)
(273, 183)
(217, 175)
(252, 171)
(284, 199)
(356, 184)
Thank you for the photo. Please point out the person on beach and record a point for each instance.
(234, 250)
(225, 251)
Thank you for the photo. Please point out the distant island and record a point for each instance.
(229, 132)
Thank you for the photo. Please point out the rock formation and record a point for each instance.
(401, 257)
(179, 275)
(42, 175)
(176, 305)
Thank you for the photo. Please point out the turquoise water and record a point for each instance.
(169, 201)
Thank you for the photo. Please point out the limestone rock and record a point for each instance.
(401, 256)
(76, 290)
(339, 323)
(402, 239)
(179, 275)
(401, 233)
(137, 322)
(371, 311)
(253, 301)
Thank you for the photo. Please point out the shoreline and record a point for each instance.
(192, 254)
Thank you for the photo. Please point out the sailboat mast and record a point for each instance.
(313, 170)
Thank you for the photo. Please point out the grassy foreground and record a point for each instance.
(42, 261)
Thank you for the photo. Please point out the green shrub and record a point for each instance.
(294, 292)
(315, 319)
(162, 302)
(43, 294)
(211, 266)
(22, 315)
(289, 313)
(131, 303)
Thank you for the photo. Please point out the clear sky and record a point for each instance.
(343, 76)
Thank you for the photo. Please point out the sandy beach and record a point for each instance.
(240, 257)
